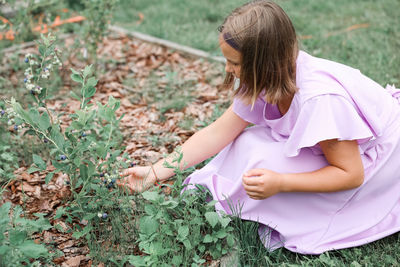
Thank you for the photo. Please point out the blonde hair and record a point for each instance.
(264, 35)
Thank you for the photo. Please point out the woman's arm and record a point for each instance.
(200, 146)
(205, 143)
(345, 171)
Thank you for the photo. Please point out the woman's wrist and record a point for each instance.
(160, 172)
(283, 183)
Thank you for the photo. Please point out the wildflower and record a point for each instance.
(99, 215)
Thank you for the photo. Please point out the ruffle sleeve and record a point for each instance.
(326, 117)
(253, 115)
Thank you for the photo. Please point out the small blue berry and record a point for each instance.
(113, 181)
(63, 157)
(46, 69)
(45, 140)
(2, 112)
(110, 185)
(25, 80)
(26, 60)
(67, 182)
(102, 174)
(16, 127)
(32, 92)
(105, 215)
(83, 134)
(133, 164)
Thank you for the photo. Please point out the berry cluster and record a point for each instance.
(102, 215)
(11, 115)
(44, 72)
(109, 180)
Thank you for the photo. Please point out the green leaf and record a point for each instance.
(91, 168)
(138, 261)
(202, 248)
(187, 244)
(33, 169)
(59, 213)
(42, 50)
(48, 178)
(176, 260)
(148, 225)
(170, 204)
(44, 122)
(207, 239)
(84, 232)
(212, 218)
(224, 221)
(39, 162)
(34, 115)
(16, 237)
(150, 195)
(183, 232)
(101, 151)
(221, 234)
(91, 82)
(7, 157)
(74, 95)
(83, 171)
(30, 249)
(75, 72)
(87, 71)
(57, 137)
(90, 91)
(20, 111)
(230, 240)
(77, 78)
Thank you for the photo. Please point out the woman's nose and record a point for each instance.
(228, 67)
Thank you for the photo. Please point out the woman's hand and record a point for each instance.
(261, 183)
(137, 179)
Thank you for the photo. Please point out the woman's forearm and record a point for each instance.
(204, 143)
(196, 149)
(326, 179)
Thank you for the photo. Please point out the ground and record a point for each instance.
(165, 96)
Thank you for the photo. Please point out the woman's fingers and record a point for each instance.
(250, 180)
(254, 172)
(129, 171)
(250, 188)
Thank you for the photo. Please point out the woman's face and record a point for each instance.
(233, 57)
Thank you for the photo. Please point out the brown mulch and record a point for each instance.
(132, 69)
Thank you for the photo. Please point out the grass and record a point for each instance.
(324, 29)
(373, 49)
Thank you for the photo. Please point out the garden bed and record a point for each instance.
(165, 97)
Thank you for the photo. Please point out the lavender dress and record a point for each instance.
(333, 101)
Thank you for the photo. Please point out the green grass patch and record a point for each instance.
(373, 49)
